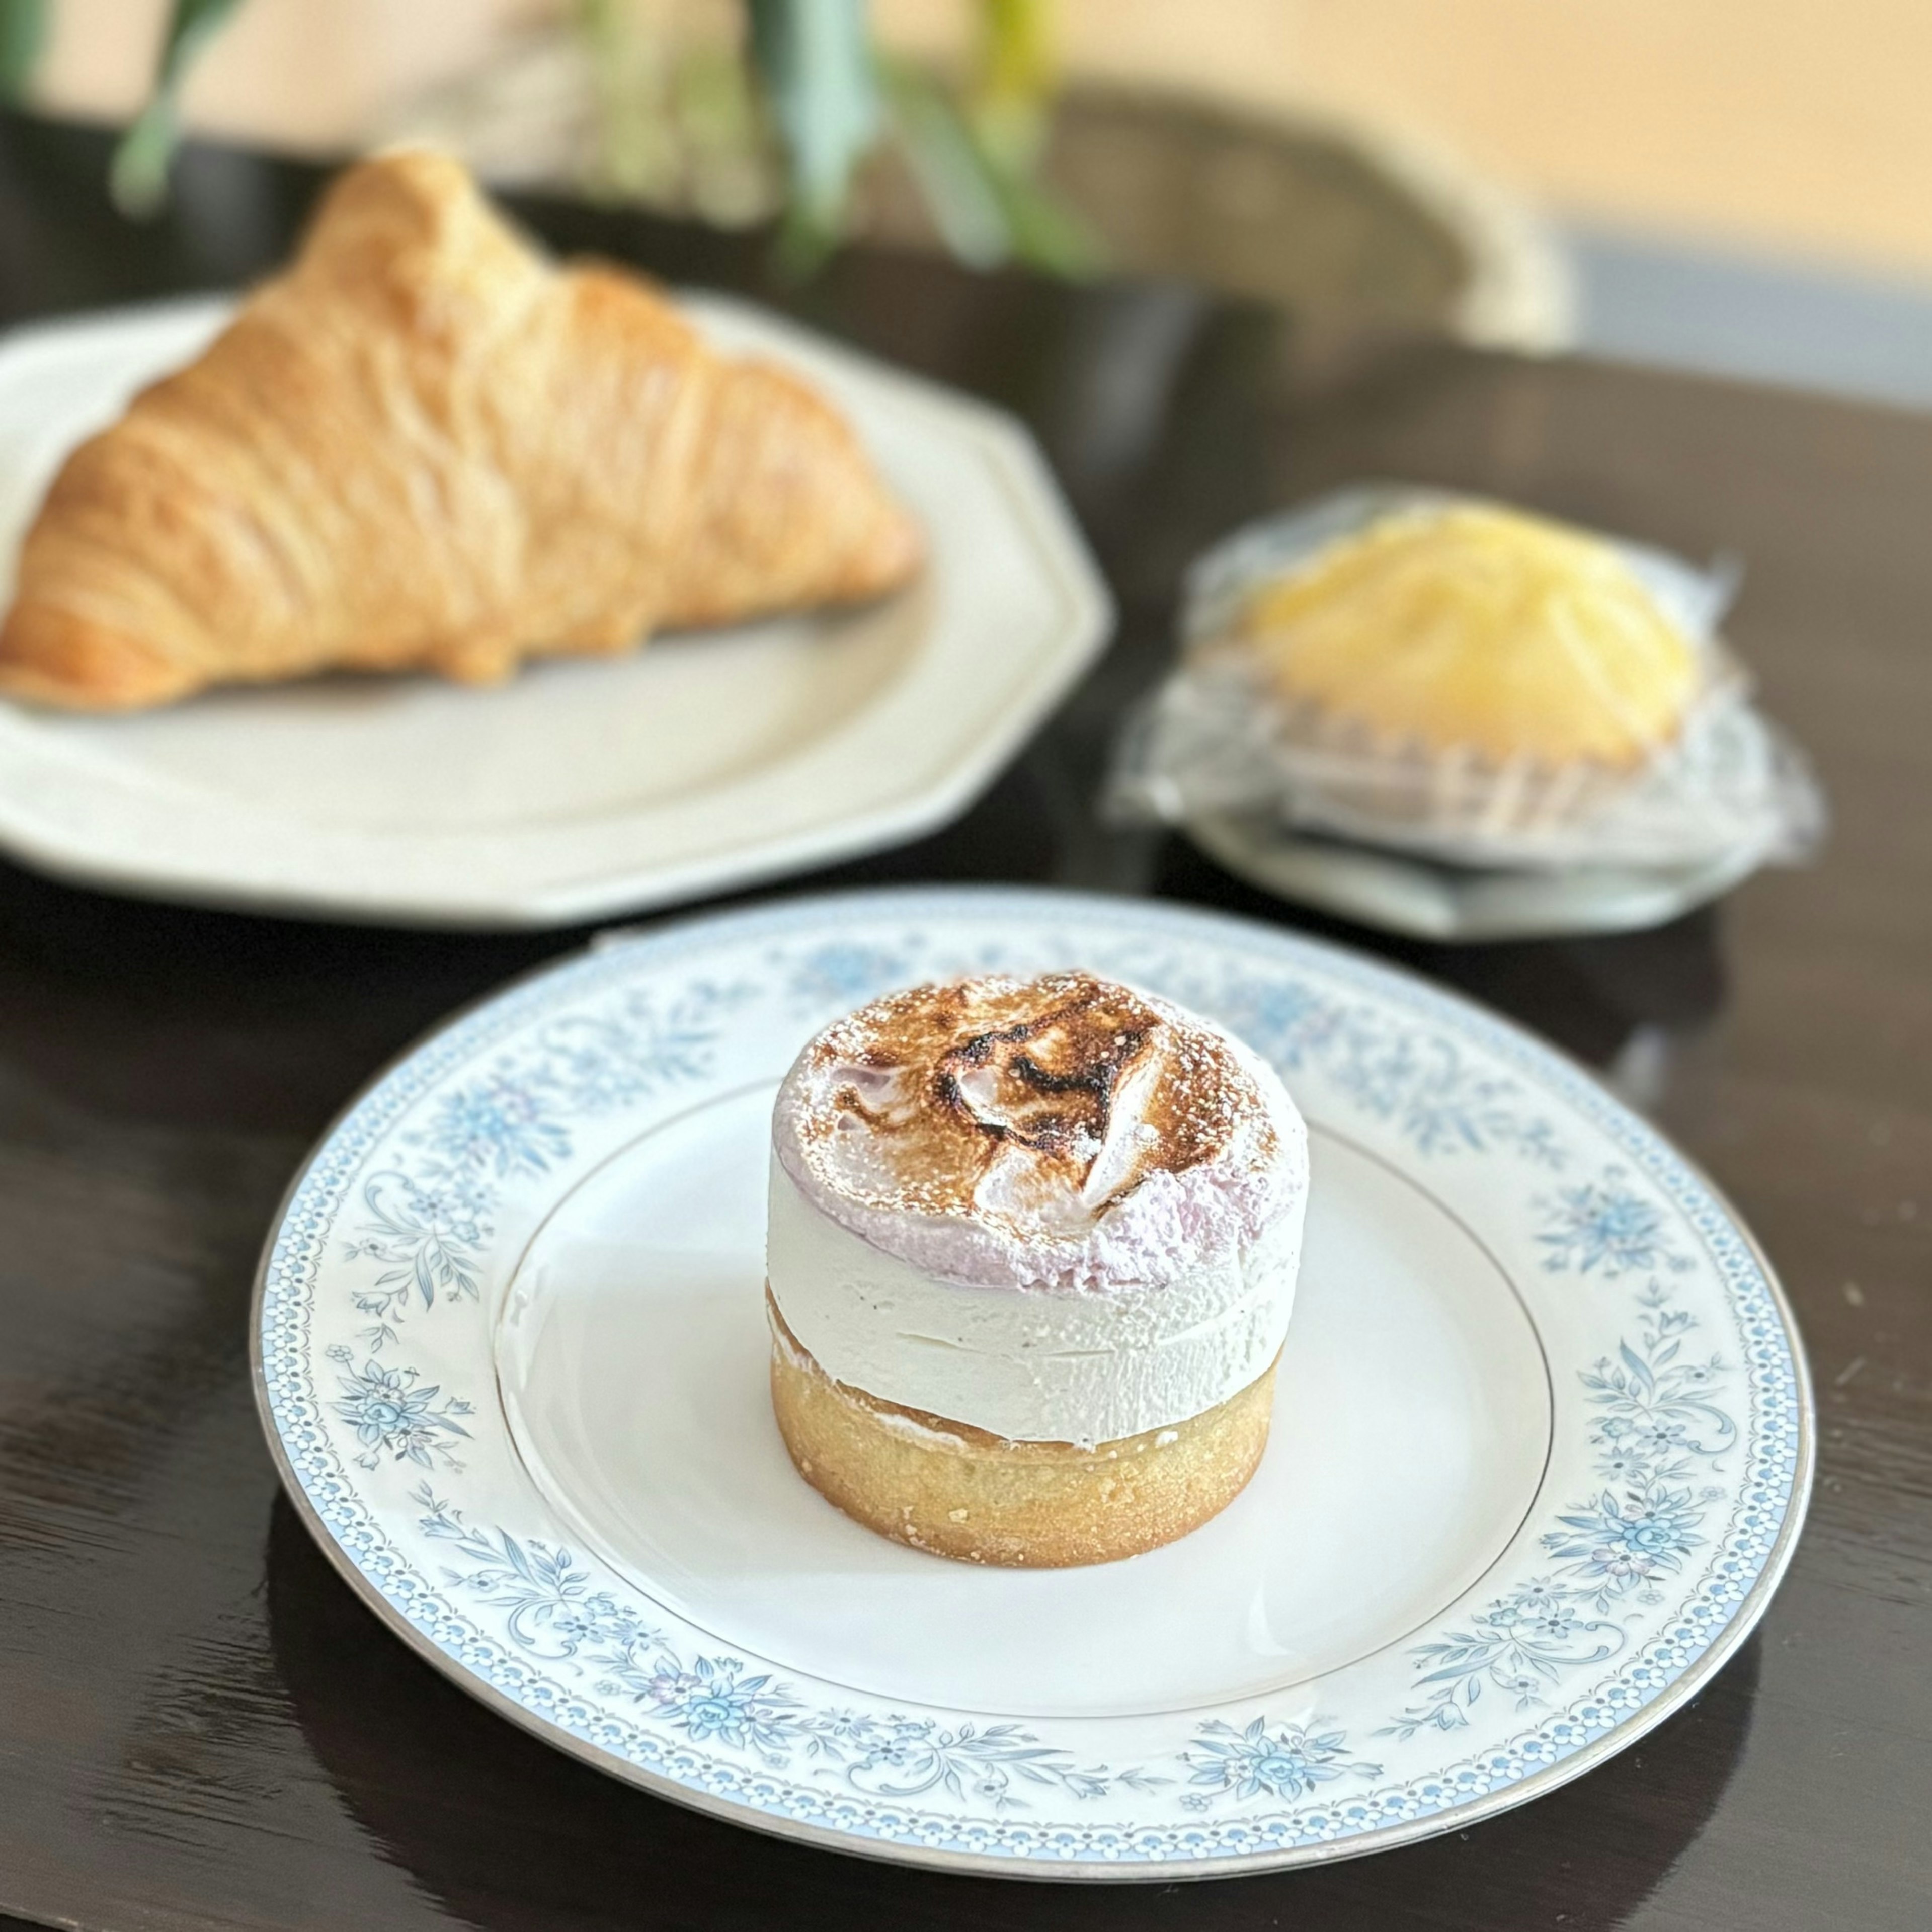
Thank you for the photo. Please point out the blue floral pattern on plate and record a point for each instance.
(1686, 1426)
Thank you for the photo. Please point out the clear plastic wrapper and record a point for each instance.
(1218, 737)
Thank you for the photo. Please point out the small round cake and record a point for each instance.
(1032, 1252)
(1482, 629)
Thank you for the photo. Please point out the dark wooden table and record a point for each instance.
(200, 1726)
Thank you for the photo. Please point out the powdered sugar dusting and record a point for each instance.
(1065, 1131)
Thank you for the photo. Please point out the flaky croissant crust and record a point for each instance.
(424, 446)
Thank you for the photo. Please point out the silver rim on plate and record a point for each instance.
(1401, 892)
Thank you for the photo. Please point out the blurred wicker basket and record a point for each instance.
(1319, 215)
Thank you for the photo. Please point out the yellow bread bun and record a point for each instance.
(1479, 628)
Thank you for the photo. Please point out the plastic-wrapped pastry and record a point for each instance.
(1477, 627)
(1469, 681)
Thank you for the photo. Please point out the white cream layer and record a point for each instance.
(1034, 1364)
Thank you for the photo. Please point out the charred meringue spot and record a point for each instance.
(1036, 1105)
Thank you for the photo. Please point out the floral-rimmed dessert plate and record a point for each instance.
(583, 787)
(1541, 1448)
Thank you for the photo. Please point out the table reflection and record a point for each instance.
(418, 1763)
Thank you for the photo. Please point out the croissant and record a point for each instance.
(424, 446)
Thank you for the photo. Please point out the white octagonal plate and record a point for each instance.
(582, 787)
(1541, 1447)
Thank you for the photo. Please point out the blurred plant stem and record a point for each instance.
(975, 154)
(988, 208)
(139, 178)
(813, 61)
(23, 38)
(1009, 97)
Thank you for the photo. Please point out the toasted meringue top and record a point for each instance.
(1065, 1131)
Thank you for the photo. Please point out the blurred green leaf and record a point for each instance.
(814, 59)
(984, 200)
(951, 173)
(1047, 233)
(1014, 76)
(139, 178)
(23, 39)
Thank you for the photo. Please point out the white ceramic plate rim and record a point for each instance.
(1400, 893)
(1781, 1372)
(74, 813)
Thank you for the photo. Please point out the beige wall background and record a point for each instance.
(1801, 125)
